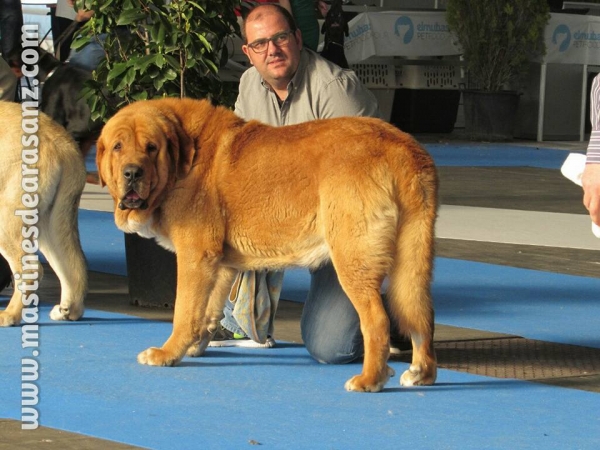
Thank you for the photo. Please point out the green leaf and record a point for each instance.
(174, 63)
(131, 17)
(142, 63)
(140, 96)
(158, 83)
(117, 71)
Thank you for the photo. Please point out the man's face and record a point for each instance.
(278, 64)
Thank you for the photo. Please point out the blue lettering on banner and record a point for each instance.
(564, 39)
(582, 36)
(433, 28)
(360, 29)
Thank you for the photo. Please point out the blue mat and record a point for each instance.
(533, 304)
(102, 242)
(529, 303)
(90, 383)
(497, 155)
(281, 398)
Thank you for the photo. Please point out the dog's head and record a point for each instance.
(141, 153)
(335, 25)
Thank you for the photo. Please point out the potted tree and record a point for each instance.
(498, 38)
(156, 48)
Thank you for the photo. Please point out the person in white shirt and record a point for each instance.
(591, 174)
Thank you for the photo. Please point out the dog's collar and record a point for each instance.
(50, 73)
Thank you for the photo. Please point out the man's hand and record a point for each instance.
(591, 191)
(83, 15)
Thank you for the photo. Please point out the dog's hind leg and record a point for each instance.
(362, 287)
(409, 294)
(214, 310)
(362, 253)
(60, 244)
(28, 272)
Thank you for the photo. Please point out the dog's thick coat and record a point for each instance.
(229, 195)
(42, 176)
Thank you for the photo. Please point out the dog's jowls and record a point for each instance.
(42, 175)
(229, 195)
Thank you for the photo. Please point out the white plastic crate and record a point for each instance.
(428, 76)
(376, 75)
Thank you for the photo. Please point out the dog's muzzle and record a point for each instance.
(132, 200)
(132, 174)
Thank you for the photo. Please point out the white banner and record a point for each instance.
(570, 38)
(573, 39)
(393, 33)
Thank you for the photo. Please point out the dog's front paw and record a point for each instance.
(59, 313)
(417, 376)
(156, 357)
(8, 320)
(362, 383)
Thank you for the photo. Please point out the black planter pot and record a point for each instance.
(490, 115)
(5, 273)
(152, 272)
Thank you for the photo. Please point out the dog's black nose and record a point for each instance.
(132, 173)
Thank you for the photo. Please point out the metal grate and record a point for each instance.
(376, 75)
(428, 76)
(519, 358)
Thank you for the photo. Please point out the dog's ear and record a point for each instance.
(181, 149)
(100, 149)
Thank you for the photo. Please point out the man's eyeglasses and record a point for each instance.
(279, 39)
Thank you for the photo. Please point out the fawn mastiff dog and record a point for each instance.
(226, 195)
(42, 176)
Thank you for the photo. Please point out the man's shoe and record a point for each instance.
(225, 338)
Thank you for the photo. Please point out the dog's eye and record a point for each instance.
(151, 147)
(117, 147)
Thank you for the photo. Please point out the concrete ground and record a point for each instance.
(521, 189)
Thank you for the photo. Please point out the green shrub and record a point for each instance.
(498, 37)
(156, 48)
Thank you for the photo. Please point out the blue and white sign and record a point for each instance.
(392, 33)
(573, 39)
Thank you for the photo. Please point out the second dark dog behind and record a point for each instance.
(335, 27)
(61, 99)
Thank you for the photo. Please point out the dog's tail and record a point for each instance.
(409, 292)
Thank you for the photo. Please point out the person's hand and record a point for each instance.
(591, 191)
(83, 15)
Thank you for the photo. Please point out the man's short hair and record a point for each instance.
(257, 15)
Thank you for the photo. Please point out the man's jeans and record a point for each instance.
(330, 325)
